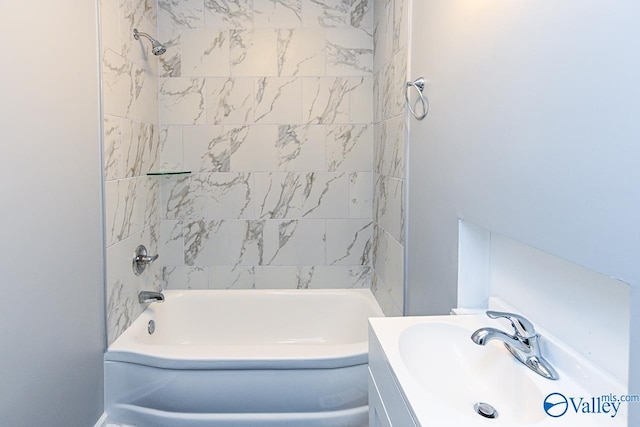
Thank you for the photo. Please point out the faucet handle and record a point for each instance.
(523, 327)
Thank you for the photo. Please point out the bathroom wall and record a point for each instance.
(52, 326)
(130, 106)
(269, 105)
(390, 75)
(532, 134)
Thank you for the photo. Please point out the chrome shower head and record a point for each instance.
(157, 48)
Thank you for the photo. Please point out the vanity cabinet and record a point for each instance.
(387, 406)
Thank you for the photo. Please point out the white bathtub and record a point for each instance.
(244, 358)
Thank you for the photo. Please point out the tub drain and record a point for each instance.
(485, 410)
(151, 327)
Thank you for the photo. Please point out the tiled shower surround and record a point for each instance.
(390, 75)
(131, 148)
(271, 104)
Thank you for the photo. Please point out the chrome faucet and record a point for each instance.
(524, 344)
(145, 297)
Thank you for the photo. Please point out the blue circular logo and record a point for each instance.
(555, 405)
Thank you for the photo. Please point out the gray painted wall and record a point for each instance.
(533, 133)
(51, 247)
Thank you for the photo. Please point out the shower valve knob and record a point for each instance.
(141, 259)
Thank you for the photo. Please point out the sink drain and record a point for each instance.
(485, 410)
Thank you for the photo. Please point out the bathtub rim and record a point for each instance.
(244, 356)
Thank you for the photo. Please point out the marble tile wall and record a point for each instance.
(131, 148)
(390, 74)
(270, 105)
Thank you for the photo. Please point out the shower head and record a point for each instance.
(157, 48)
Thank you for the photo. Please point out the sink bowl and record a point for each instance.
(457, 374)
(443, 376)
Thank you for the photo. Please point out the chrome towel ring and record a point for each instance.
(419, 86)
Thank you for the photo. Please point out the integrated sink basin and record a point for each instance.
(448, 380)
(442, 353)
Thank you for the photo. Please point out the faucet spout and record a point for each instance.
(484, 335)
(145, 297)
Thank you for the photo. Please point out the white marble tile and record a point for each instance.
(302, 148)
(208, 148)
(253, 52)
(208, 196)
(278, 100)
(325, 13)
(401, 20)
(113, 156)
(349, 52)
(255, 150)
(295, 242)
(388, 206)
(325, 100)
(350, 148)
(332, 277)
(361, 276)
(382, 292)
(171, 245)
(388, 90)
(230, 242)
(270, 277)
(124, 208)
(349, 241)
(301, 52)
(140, 148)
(183, 277)
(361, 195)
(361, 99)
(120, 316)
(222, 14)
(230, 100)
(325, 195)
(323, 277)
(388, 262)
(226, 277)
(227, 195)
(171, 154)
(383, 32)
(277, 13)
(377, 99)
(118, 88)
(180, 13)
(170, 63)
(205, 53)
(401, 77)
(278, 195)
(389, 147)
(146, 99)
(134, 12)
(182, 101)
(149, 192)
(361, 13)
(179, 201)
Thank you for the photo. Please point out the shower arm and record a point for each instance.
(137, 34)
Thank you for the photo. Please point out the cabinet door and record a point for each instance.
(377, 414)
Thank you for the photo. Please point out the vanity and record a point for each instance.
(427, 371)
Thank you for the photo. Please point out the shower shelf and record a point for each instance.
(168, 173)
